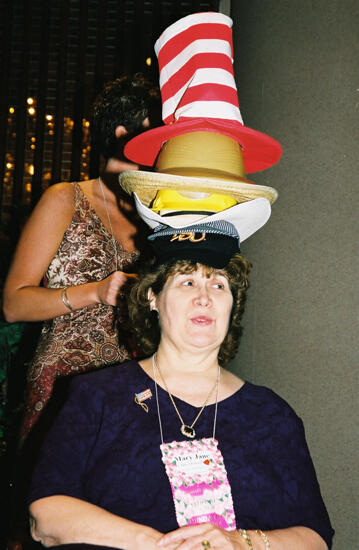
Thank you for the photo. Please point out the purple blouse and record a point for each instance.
(104, 448)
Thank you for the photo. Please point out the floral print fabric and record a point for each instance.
(89, 337)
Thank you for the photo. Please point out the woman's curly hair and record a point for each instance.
(144, 323)
(126, 101)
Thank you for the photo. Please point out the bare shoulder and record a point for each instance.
(53, 212)
(56, 205)
(60, 193)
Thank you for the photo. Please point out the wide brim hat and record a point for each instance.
(205, 162)
(199, 93)
(247, 217)
(146, 185)
(259, 150)
(212, 240)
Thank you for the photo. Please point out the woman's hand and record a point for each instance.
(109, 289)
(191, 538)
(148, 539)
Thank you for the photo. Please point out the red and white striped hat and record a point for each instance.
(199, 93)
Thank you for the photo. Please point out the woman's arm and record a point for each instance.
(24, 299)
(292, 538)
(61, 519)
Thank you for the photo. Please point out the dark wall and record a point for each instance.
(297, 67)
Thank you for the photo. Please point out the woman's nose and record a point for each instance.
(203, 298)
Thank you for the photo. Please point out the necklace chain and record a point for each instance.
(109, 222)
(186, 430)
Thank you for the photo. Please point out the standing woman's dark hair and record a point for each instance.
(125, 101)
(145, 323)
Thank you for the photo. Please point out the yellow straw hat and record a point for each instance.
(203, 162)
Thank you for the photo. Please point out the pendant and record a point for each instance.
(188, 431)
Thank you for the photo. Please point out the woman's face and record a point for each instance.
(194, 309)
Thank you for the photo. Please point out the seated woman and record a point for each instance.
(174, 451)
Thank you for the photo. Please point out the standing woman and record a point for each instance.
(76, 253)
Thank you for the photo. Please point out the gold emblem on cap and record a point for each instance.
(188, 237)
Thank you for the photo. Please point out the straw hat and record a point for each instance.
(202, 162)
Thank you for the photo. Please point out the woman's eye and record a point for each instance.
(218, 283)
(187, 283)
(220, 286)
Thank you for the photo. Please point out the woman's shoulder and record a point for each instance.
(262, 414)
(266, 401)
(109, 378)
(61, 189)
(59, 196)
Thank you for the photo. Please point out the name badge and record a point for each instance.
(200, 487)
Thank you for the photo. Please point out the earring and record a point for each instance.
(155, 311)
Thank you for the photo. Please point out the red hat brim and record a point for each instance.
(259, 150)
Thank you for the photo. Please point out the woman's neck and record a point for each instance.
(175, 362)
(189, 377)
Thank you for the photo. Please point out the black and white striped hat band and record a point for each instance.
(220, 227)
(212, 243)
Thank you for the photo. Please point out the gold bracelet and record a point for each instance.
(264, 537)
(247, 538)
(65, 300)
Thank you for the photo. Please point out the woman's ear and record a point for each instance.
(152, 299)
(120, 131)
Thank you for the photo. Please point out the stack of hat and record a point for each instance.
(198, 191)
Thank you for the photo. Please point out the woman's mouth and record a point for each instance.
(201, 320)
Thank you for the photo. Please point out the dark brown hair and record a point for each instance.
(144, 322)
(126, 101)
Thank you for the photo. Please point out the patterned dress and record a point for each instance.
(89, 337)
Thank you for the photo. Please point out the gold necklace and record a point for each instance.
(109, 222)
(186, 430)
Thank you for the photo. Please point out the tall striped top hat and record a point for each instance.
(199, 94)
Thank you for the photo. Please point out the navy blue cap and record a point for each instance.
(212, 243)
